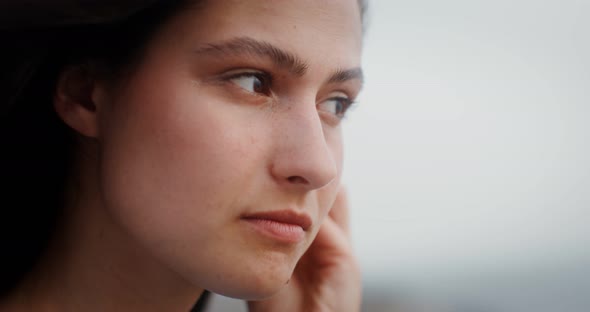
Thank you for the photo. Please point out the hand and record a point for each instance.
(327, 278)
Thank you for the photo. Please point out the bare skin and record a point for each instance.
(327, 278)
(211, 129)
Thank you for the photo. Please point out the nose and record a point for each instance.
(303, 157)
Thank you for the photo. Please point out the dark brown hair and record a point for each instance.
(37, 145)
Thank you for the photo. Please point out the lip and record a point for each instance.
(285, 226)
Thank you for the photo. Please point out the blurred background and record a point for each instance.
(467, 157)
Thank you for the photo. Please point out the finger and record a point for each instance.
(339, 211)
(330, 243)
(329, 247)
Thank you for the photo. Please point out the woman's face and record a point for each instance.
(222, 154)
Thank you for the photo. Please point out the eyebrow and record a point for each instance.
(246, 45)
(349, 74)
(282, 58)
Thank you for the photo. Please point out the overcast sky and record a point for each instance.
(468, 149)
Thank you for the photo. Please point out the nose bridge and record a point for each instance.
(303, 156)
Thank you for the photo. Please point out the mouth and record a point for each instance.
(286, 226)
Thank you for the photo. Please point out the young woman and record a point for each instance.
(181, 147)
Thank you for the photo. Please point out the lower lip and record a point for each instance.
(282, 232)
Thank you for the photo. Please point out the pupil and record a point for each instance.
(258, 85)
(339, 108)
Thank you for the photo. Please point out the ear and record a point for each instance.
(77, 99)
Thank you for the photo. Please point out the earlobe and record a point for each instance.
(74, 100)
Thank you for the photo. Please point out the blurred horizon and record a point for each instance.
(466, 158)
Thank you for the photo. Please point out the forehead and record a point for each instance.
(318, 31)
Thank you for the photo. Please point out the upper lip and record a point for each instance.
(283, 216)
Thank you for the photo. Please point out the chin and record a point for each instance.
(256, 281)
(255, 289)
(247, 292)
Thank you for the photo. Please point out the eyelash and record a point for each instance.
(345, 102)
(265, 78)
(266, 81)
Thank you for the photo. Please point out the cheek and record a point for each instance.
(179, 165)
(174, 161)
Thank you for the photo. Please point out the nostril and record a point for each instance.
(297, 180)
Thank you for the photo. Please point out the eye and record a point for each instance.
(336, 106)
(253, 82)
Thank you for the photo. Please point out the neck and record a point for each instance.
(94, 265)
